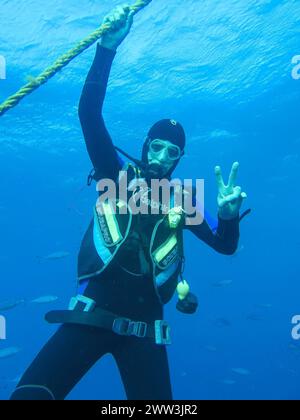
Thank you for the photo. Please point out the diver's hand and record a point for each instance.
(230, 197)
(120, 22)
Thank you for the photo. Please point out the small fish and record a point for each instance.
(223, 134)
(263, 305)
(183, 374)
(294, 347)
(9, 352)
(6, 305)
(277, 179)
(290, 161)
(212, 349)
(254, 317)
(55, 256)
(222, 322)
(228, 382)
(241, 371)
(222, 283)
(44, 299)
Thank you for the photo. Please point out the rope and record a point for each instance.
(62, 62)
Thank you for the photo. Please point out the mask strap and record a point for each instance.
(136, 161)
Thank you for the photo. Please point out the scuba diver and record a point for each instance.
(129, 265)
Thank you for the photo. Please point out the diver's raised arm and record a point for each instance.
(120, 22)
(98, 141)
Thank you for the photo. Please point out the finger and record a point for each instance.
(130, 18)
(120, 9)
(115, 19)
(110, 24)
(111, 20)
(234, 196)
(107, 19)
(220, 182)
(119, 13)
(127, 16)
(233, 174)
(126, 8)
(129, 21)
(123, 11)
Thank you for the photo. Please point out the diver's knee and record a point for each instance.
(32, 392)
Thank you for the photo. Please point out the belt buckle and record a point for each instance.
(139, 329)
(124, 326)
(162, 332)
(88, 302)
(121, 325)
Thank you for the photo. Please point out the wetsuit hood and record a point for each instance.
(169, 130)
(166, 129)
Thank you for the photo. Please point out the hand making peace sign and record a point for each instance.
(230, 197)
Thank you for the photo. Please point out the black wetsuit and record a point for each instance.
(74, 349)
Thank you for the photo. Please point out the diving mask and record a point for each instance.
(156, 146)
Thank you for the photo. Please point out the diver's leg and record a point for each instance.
(144, 369)
(67, 356)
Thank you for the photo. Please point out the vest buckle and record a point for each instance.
(89, 304)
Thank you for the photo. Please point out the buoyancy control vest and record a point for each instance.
(110, 228)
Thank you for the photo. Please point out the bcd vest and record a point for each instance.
(108, 231)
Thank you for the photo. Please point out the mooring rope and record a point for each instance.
(62, 62)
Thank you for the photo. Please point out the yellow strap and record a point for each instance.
(111, 222)
(62, 62)
(165, 249)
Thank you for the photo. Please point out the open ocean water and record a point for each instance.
(229, 72)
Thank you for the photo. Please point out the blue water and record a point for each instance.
(224, 70)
